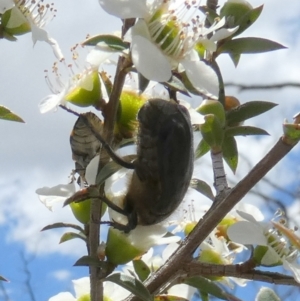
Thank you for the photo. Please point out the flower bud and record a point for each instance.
(14, 23)
(119, 248)
(212, 106)
(87, 91)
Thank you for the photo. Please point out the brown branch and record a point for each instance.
(183, 255)
(243, 87)
(109, 113)
(196, 268)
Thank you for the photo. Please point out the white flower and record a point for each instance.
(112, 292)
(81, 288)
(50, 196)
(166, 33)
(252, 232)
(82, 88)
(35, 15)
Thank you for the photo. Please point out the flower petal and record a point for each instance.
(247, 233)
(91, 170)
(125, 9)
(63, 297)
(294, 267)
(149, 60)
(52, 195)
(202, 77)
(98, 55)
(40, 34)
(81, 286)
(223, 33)
(51, 101)
(6, 5)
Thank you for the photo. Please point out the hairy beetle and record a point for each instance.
(164, 165)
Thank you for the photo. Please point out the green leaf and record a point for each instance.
(202, 187)
(248, 110)
(3, 279)
(249, 45)
(244, 131)
(248, 19)
(110, 168)
(202, 148)
(71, 235)
(90, 261)
(113, 42)
(212, 132)
(62, 225)
(207, 286)
(7, 114)
(132, 284)
(141, 269)
(235, 57)
(230, 153)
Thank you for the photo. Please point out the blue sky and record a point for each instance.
(38, 154)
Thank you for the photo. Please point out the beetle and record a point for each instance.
(163, 168)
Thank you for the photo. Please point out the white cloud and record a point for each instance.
(61, 275)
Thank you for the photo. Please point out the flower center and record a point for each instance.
(37, 11)
(175, 30)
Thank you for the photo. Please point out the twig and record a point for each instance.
(183, 255)
(196, 268)
(242, 87)
(109, 113)
(220, 180)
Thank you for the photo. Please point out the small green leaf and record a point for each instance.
(90, 261)
(3, 279)
(212, 132)
(141, 269)
(110, 168)
(249, 45)
(235, 57)
(230, 153)
(207, 286)
(202, 187)
(7, 114)
(132, 284)
(248, 19)
(62, 225)
(72, 235)
(244, 131)
(202, 148)
(248, 110)
(113, 42)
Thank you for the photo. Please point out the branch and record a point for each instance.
(109, 113)
(196, 268)
(183, 255)
(243, 87)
